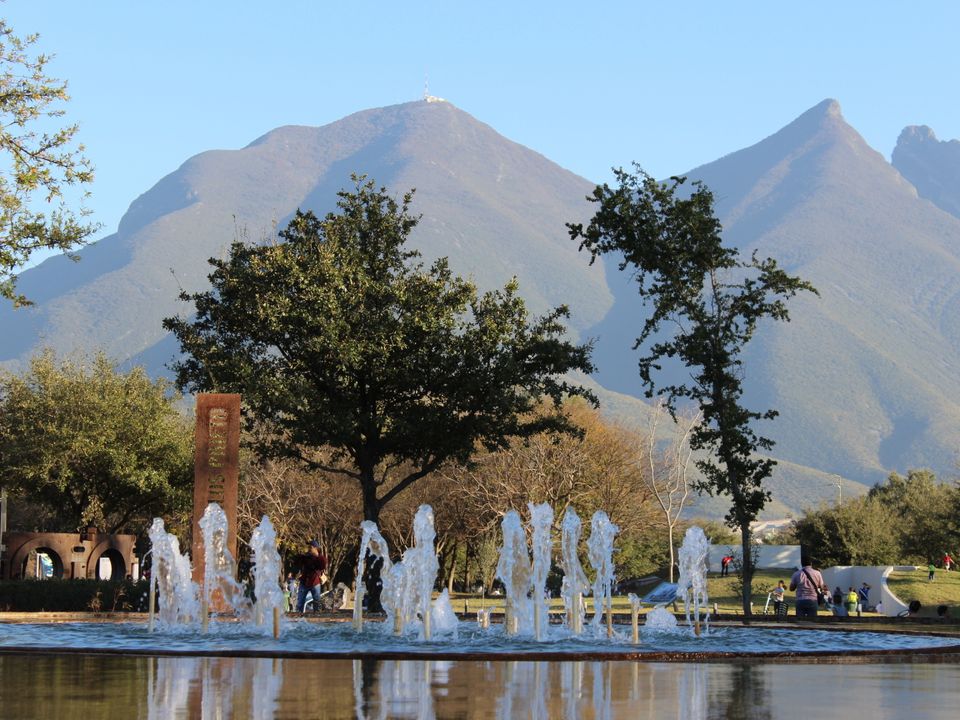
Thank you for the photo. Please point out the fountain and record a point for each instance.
(267, 571)
(600, 547)
(408, 585)
(172, 578)
(541, 520)
(220, 587)
(692, 583)
(413, 617)
(575, 584)
(514, 571)
(424, 662)
(373, 546)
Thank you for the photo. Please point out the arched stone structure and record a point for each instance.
(75, 555)
(108, 549)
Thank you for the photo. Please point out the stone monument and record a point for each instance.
(216, 467)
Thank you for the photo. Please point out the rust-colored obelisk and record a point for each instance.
(216, 468)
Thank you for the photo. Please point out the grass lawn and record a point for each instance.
(719, 590)
(944, 590)
(913, 585)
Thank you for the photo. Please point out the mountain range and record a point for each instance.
(865, 376)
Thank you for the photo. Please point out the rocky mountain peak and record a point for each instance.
(931, 165)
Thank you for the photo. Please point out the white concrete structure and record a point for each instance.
(875, 576)
(771, 557)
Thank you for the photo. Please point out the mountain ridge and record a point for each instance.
(864, 375)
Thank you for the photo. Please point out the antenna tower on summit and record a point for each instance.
(426, 92)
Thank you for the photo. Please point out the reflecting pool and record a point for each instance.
(160, 688)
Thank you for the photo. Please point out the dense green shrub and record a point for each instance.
(73, 596)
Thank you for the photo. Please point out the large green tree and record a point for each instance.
(89, 444)
(861, 531)
(905, 519)
(705, 303)
(339, 338)
(36, 164)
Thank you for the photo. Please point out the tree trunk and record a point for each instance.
(368, 486)
(672, 556)
(371, 512)
(453, 568)
(746, 570)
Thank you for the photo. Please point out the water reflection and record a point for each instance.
(143, 688)
(213, 687)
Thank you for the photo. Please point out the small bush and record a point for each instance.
(73, 596)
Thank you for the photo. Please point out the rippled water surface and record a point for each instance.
(302, 636)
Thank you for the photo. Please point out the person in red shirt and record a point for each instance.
(725, 565)
(947, 561)
(313, 567)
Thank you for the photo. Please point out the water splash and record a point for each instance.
(373, 544)
(541, 521)
(219, 583)
(177, 594)
(514, 571)
(600, 553)
(443, 619)
(408, 585)
(660, 620)
(692, 583)
(266, 573)
(575, 584)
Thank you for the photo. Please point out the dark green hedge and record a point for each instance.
(73, 596)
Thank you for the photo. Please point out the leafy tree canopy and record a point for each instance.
(339, 338)
(38, 164)
(705, 304)
(912, 519)
(93, 445)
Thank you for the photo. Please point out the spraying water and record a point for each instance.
(660, 620)
(266, 572)
(218, 572)
(692, 583)
(514, 571)
(178, 594)
(408, 585)
(600, 552)
(372, 542)
(575, 584)
(443, 619)
(541, 520)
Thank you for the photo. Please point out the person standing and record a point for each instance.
(778, 593)
(947, 562)
(931, 569)
(852, 601)
(312, 568)
(808, 584)
(725, 565)
(863, 598)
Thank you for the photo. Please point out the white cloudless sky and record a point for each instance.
(590, 86)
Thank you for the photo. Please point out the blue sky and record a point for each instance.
(670, 85)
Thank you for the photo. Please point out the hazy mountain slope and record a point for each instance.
(933, 166)
(865, 376)
(496, 208)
